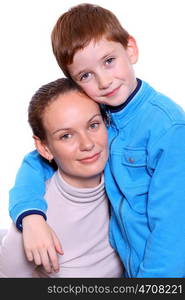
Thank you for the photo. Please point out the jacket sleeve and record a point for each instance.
(27, 195)
(165, 247)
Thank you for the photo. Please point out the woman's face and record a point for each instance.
(76, 138)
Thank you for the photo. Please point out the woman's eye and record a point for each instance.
(65, 136)
(94, 125)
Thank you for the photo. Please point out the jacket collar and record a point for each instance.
(140, 95)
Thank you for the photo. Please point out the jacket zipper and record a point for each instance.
(122, 227)
(123, 230)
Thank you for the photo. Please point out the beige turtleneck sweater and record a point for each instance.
(80, 218)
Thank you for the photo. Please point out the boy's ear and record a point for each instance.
(42, 148)
(132, 50)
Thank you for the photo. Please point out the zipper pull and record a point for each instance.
(108, 118)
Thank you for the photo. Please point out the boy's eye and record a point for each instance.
(85, 76)
(109, 60)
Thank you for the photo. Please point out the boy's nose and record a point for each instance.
(104, 82)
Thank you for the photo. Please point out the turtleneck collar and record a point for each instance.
(79, 195)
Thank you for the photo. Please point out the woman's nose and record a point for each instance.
(86, 143)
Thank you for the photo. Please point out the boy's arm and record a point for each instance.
(27, 195)
(27, 208)
(41, 244)
(165, 247)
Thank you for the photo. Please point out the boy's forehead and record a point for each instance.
(102, 45)
(91, 53)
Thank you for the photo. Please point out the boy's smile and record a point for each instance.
(104, 70)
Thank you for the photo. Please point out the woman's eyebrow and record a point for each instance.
(60, 129)
(68, 128)
(96, 115)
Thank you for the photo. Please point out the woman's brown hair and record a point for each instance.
(44, 97)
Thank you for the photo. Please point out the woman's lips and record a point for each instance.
(90, 159)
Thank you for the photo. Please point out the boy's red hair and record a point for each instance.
(78, 26)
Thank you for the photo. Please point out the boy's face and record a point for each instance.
(104, 70)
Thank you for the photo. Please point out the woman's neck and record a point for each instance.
(84, 182)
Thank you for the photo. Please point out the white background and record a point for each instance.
(27, 62)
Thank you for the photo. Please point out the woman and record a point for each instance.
(68, 128)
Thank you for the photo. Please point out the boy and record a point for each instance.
(145, 174)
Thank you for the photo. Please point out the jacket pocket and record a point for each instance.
(137, 178)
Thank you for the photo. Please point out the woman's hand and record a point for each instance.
(41, 243)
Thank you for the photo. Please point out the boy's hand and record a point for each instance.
(41, 243)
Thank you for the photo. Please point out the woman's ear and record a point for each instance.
(42, 148)
(132, 50)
